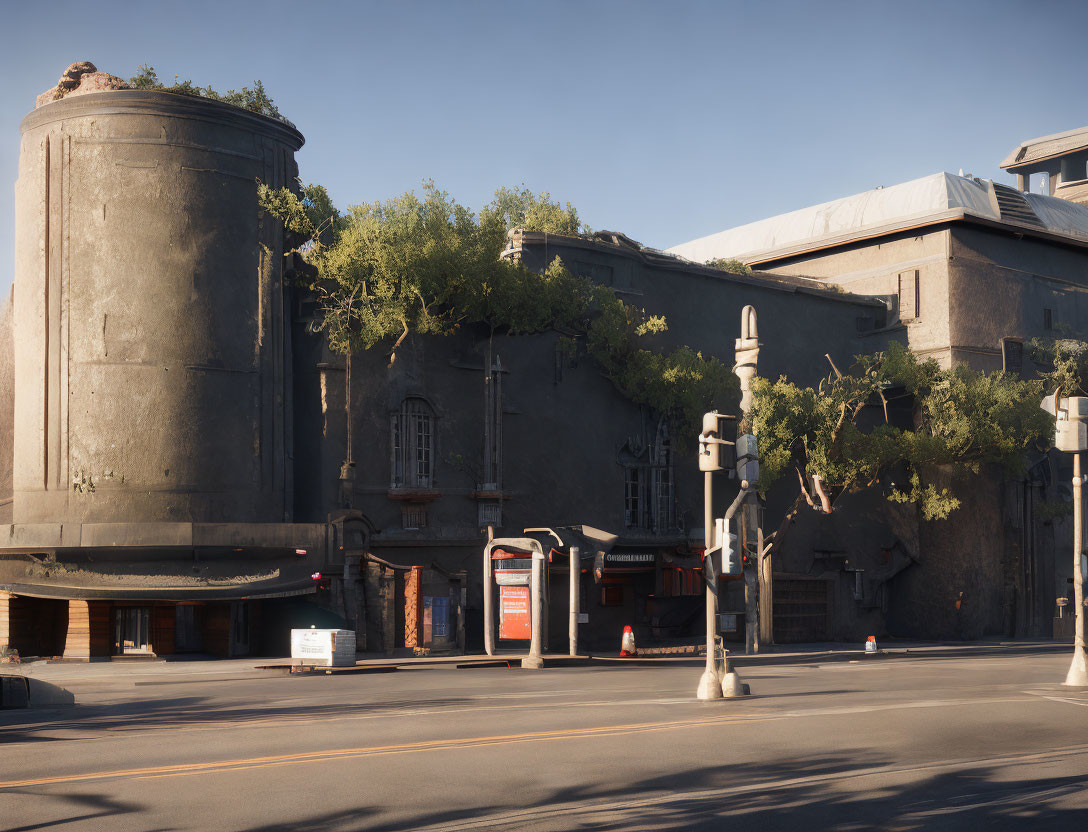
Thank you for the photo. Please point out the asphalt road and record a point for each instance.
(981, 743)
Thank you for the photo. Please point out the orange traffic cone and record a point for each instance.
(627, 643)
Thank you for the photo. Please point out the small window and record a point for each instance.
(1048, 319)
(489, 514)
(413, 516)
(1073, 169)
(612, 595)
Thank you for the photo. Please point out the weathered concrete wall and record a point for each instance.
(1001, 285)
(7, 407)
(150, 328)
(959, 588)
(567, 432)
(875, 268)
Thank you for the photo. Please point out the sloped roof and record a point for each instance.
(1046, 147)
(931, 199)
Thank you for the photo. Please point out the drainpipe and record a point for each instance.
(347, 470)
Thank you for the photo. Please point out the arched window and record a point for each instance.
(412, 439)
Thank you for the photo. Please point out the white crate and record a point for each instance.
(323, 648)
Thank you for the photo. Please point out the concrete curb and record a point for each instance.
(776, 659)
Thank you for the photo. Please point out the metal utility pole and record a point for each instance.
(575, 575)
(1078, 670)
(535, 660)
(710, 685)
(709, 460)
(1071, 434)
(716, 682)
(489, 579)
(756, 579)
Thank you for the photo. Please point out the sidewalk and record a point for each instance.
(174, 670)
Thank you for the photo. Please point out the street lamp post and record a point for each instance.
(1071, 434)
(756, 579)
(1078, 670)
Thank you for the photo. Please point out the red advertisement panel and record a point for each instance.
(514, 616)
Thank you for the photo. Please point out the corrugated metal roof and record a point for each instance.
(935, 198)
(1044, 147)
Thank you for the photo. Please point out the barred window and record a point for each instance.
(413, 516)
(412, 439)
(649, 492)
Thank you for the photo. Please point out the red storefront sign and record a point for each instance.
(515, 619)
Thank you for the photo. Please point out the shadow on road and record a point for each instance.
(93, 806)
(37, 726)
(825, 793)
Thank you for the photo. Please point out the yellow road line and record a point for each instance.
(317, 756)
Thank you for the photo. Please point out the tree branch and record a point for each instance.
(403, 335)
(824, 501)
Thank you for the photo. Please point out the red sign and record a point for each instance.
(515, 619)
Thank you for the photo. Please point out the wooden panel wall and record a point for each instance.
(5, 631)
(162, 630)
(88, 630)
(216, 629)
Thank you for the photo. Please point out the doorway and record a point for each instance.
(131, 631)
(239, 628)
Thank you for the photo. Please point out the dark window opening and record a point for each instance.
(1048, 319)
(1012, 356)
(649, 491)
(413, 516)
(412, 438)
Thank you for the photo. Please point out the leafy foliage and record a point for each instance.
(428, 265)
(255, 100)
(521, 208)
(960, 417)
(730, 264)
(1062, 363)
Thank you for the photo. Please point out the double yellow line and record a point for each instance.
(366, 751)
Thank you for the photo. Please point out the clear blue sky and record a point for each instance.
(665, 120)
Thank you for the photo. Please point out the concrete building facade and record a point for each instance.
(178, 475)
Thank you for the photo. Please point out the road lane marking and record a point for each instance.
(427, 745)
(470, 742)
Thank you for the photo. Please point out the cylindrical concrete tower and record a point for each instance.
(152, 371)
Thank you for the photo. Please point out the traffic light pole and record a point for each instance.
(715, 684)
(1078, 670)
(709, 685)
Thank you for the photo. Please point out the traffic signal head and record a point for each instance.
(709, 455)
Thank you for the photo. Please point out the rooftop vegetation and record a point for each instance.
(256, 100)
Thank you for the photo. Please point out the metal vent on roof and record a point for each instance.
(1014, 207)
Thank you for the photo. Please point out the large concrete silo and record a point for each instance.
(150, 328)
